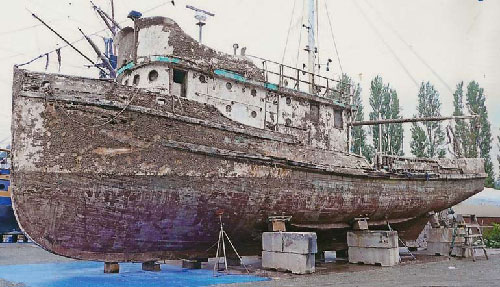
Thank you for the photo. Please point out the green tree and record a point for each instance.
(358, 134)
(428, 137)
(497, 185)
(385, 105)
(462, 127)
(477, 140)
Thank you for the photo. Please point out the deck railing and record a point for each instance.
(285, 76)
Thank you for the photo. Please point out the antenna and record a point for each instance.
(201, 16)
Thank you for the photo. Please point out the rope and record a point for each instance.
(333, 37)
(288, 34)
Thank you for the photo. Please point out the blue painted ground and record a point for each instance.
(85, 273)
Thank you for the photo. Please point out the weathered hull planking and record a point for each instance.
(102, 171)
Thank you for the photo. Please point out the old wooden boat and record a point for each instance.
(136, 169)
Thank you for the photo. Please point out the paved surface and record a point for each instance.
(453, 272)
(427, 271)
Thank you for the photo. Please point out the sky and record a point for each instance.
(405, 42)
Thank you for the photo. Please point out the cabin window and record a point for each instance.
(179, 76)
(202, 79)
(229, 85)
(288, 122)
(137, 78)
(2, 186)
(228, 108)
(179, 85)
(253, 92)
(288, 101)
(254, 114)
(314, 112)
(153, 75)
(338, 120)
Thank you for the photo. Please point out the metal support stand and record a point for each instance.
(221, 249)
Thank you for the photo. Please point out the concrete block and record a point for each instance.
(151, 266)
(438, 248)
(111, 267)
(272, 241)
(444, 235)
(191, 264)
(296, 263)
(467, 252)
(379, 256)
(291, 242)
(300, 242)
(373, 239)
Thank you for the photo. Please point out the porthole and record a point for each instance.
(136, 79)
(228, 108)
(288, 101)
(254, 114)
(153, 75)
(253, 92)
(288, 122)
(202, 79)
(161, 101)
(229, 85)
(45, 85)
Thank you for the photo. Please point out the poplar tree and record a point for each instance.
(497, 185)
(428, 139)
(358, 133)
(461, 126)
(385, 105)
(475, 136)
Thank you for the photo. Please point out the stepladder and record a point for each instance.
(469, 230)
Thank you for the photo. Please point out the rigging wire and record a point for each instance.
(333, 37)
(288, 34)
(317, 35)
(21, 29)
(82, 38)
(393, 53)
(410, 47)
(300, 34)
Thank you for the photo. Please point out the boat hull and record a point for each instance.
(97, 177)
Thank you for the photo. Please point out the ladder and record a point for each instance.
(473, 237)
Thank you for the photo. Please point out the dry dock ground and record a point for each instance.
(425, 271)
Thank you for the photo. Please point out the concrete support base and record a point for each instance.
(296, 263)
(151, 266)
(111, 267)
(438, 248)
(289, 251)
(440, 240)
(373, 247)
(191, 264)
(374, 256)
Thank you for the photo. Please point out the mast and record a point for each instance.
(311, 49)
